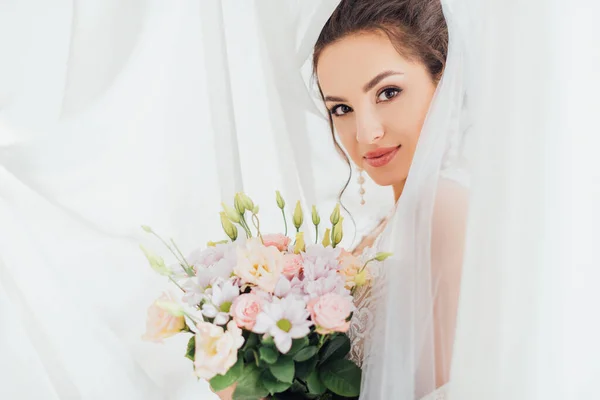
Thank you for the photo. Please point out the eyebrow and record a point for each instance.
(373, 82)
(370, 85)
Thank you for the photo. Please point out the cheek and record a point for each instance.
(347, 139)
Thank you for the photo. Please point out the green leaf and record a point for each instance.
(267, 341)
(272, 384)
(306, 353)
(221, 382)
(268, 354)
(283, 369)
(342, 377)
(337, 348)
(249, 386)
(315, 386)
(191, 348)
(251, 341)
(297, 387)
(303, 369)
(297, 345)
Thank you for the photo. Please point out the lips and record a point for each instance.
(380, 157)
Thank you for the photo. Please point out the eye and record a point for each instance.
(340, 109)
(388, 94)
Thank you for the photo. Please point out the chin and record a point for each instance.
(382, 179)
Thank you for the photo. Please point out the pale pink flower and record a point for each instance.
(245, 309)
(278, 240)
(284, 319)
(259, 265)
(330, 313)
(216, 349)
(285, 287)
(327, 257)
(292, 265)
(352, 270)
(162, 321)
(333, 283)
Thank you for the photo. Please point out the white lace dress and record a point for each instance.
(362, 319)
(359, 328)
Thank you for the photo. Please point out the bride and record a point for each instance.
(389, 75)
(391, 82)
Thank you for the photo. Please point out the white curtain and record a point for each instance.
(528, 319)
(116, 114)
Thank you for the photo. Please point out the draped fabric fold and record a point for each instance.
(119, 115)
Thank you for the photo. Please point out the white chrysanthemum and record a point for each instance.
(284, 319)
(218, 301)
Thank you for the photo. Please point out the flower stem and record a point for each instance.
(316, 234)
(179, 257)
(256, 223)
(322, 340)
(255, 356)
(176, 284)
(284, 221)
(188, 268)
(244, 225)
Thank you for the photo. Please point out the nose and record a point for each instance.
(369, 128)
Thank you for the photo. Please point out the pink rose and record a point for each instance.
(244, 310)
(330, 312)
(292, 265)
(277, 240)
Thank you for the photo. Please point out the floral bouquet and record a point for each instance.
(265, 312)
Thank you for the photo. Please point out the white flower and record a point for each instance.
(284, 319)
(259, 265)
(216, 349)
(218, 302)
(214, 262)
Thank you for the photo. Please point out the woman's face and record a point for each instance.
(378, 101)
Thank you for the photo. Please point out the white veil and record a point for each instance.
(416, 292)
(415, 295)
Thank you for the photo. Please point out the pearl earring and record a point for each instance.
(361, 182)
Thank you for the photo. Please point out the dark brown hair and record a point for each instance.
(416, 28)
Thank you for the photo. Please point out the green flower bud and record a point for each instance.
(248, 203)
(255, 210)
(228, 227)
(299, 246)
(382, 256)
(214, 244)
(327, 239)
(315, 216)
(298, 216)
(156, 262)
(146, 228)
(231, 213)
(337, 233)
(335, 215)
(280, 201)
(171, 307)
(238, 202)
